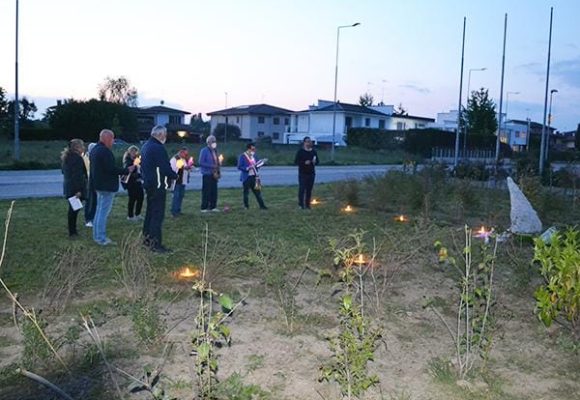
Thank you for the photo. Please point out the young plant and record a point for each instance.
(559, 298)
(473, 336)
(211, 330)
(357, 341)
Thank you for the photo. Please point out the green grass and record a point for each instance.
(46, 154)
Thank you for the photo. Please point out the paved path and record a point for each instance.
(48, 183)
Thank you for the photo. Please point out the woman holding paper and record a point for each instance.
(75, 181)
(248, 164)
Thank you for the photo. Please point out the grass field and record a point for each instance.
(257, 255)
(46, 155)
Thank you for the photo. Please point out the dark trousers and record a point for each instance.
(72, 221)
(250, 184)
(209, 192)
(135, 202)
(154, 215)
(91, 204)
(305, 185)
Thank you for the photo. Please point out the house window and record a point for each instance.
(400, 126)
(381, 124)
(367, 122)
(275, 136)
(276, 121)
(286, 121)
(260, 133)
(175, 119)
(261, 121)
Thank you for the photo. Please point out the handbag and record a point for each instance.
(258, 184)
(216, 174)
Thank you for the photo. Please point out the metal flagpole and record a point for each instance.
(456, 159)
(543, 142)
(497, 140)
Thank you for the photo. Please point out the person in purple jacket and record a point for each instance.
(248, 164)
(209, 164)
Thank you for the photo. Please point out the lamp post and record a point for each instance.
(16, 99)
(549, 124)
(467, 103)
(336, 85)
(507, 103)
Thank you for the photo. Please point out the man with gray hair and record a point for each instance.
(105, 179)
(157, 175)
(209, 164)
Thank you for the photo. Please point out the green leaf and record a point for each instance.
(203, 351)
(347, 302)
(226, 302)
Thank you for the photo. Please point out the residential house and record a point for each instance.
(171, 118)
(445, 121)
(255, 121)
(517, 133)
(318, 122)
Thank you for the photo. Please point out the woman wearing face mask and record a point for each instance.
(209, 164)
(249, 164)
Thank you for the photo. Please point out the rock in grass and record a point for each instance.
(524, 219)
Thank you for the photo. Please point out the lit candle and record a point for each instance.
(187, 273)
(137, 161)
(360, 260)
(179, 163)
(401, 218)
(221, 158)
(348, 208)
(314, 202)
(483, 233)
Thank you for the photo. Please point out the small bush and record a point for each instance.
(348, 192)
(477, 171)
(560, 267)
(147, 323)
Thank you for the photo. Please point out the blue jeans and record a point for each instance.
(104, 206)
(178, 193)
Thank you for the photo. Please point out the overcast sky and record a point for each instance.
(282, 52)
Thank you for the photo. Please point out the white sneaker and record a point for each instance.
(204, 211)
(215, 210)
(89, 224)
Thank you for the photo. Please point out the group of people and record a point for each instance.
(93, 177)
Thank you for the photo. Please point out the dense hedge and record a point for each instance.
(418, 141)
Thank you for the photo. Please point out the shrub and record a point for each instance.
(233, 132)
(374, 139)
(348, 192)
(473, 171)
(559, 262)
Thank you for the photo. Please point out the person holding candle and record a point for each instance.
(134, 184)
(181, 164)
(75, 179)
(157, 174)
(306, 159)
(209, 163)
(248, 164)
(105, 176)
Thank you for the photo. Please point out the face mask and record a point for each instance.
(252, 153)
(213, 145)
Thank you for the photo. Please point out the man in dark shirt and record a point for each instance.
(157, 176)
(105, 179)
(306, 159)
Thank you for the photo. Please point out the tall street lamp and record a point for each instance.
(549, 123)
(507, 103)
(16, 100)
(467, 103)
(335, 86)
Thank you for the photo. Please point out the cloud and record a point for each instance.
(568, 71)
(422, 90)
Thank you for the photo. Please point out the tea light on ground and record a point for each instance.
(187, 274)
(348, 208)
(360, 260)
(314, 202)
(401, 218)
(483, 233)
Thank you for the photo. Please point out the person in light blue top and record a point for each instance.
(209, 164)
(249, 164)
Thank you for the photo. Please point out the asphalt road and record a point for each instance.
(48, 183)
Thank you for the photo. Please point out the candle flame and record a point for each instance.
(179, 163)
(187, 273)
(137, 161)
(360, 260)
(401, 218)
(314, 202)
(221, 158)
(348, 208)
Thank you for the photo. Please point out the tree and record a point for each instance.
(400, 110)
(366, 100)
(118, 91)
(577, 138)
(198, 124)
(85, 119)
(3, 112)
(234, 132)
(480, 116)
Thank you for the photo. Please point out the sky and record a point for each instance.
(191, 53)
